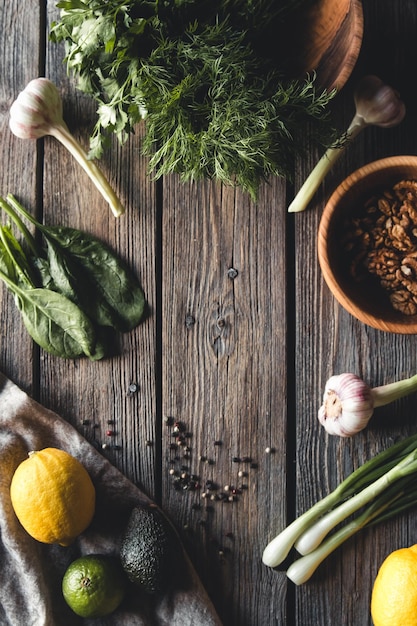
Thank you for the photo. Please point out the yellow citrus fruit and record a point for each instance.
(53, 496)
(394, 593)
(94, 585)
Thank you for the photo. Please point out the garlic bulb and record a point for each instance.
(349, 403)
(36, 112)
(377, 104)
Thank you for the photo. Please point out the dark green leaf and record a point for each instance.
(54, 322)
(70, 5)
(57, 324)
(86, 269)
(88, 272)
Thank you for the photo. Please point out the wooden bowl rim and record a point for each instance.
(355, 16)
(389, 165)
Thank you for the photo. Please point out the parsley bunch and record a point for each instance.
(217, 103)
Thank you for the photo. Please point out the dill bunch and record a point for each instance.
(203, 75)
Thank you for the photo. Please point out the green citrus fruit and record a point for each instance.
(94, 585)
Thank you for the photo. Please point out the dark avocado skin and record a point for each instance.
(146, 549)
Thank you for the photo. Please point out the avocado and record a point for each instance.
(146, 549)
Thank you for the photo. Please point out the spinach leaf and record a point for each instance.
(54, 322)
(88, 272)
(41, 266)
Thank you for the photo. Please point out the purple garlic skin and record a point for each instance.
(348, 405)
(36, 110)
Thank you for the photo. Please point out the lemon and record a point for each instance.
(394, 593)
(53, 496)
(94, 585)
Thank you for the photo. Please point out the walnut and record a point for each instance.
(401, 301)
(383, 243)
(409, 266)
(411, 211)
(385, 206)
(400, 239)
(406, 190)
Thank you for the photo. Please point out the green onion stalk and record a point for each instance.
(382, 487)
(377, 104)
(301, 570)
(37, 112)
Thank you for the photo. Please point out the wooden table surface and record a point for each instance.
(240, 337)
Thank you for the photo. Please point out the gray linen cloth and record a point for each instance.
(31, 572)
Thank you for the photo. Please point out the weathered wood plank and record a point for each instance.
(330, 341)
(224, 378)
(21, 30)
(98, 392)
(240, 338)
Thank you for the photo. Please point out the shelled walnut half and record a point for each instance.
(383, 243)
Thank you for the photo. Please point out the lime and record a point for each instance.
(94, 585)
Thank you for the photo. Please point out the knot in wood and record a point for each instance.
(189, 321)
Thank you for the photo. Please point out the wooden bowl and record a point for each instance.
(365, 299)
(325, 39)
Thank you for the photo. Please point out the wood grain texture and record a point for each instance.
(224, 355)
(240, 336)
(330, 341)
(21, 30)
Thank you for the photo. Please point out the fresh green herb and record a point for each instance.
(68, 289)
(381, 488)
(217, 102)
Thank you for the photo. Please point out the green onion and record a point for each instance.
(302, 569)
(371, 484)
(377, 104)
(37, 112)
(313, 536)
